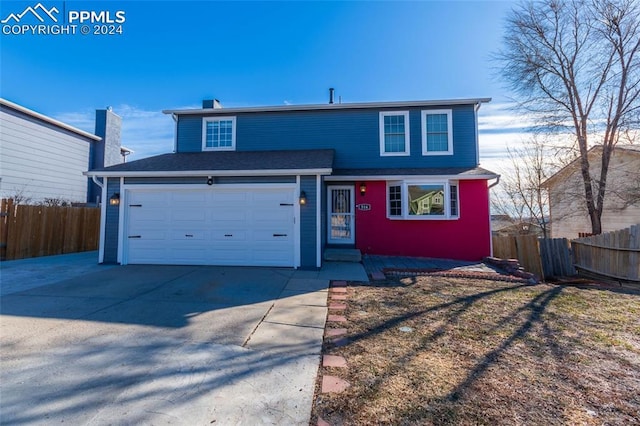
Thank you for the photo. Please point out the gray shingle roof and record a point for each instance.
(444, 171)
(229, 161)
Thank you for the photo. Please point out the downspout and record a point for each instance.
(475, 113)
(495, 183)
(94, 178)
(175, 133)
(490, 228)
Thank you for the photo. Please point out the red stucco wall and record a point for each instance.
(467, 238)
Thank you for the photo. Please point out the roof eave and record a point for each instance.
(313, 107)
(183, 173)
(409, 177)
(49, 120)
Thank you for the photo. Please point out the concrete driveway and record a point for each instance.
(159, 344)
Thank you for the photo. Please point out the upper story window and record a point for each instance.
(394, 133)
(437, 134)
(219, 134)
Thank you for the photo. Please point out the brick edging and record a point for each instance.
(336, 337)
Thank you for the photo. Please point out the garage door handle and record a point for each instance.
(286, 204)
(188, 235)
(135, 236)
(135, 205)
(279, 235)
(228, 235)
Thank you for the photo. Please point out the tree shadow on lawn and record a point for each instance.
(452, 311)
(510, 354)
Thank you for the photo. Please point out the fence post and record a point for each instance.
(6, 217)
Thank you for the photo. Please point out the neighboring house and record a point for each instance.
(275, 186)
(568, 212)
(503, 225)
(44, 159)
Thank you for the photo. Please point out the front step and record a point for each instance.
(342, 255)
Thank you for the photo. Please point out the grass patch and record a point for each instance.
(485, 352)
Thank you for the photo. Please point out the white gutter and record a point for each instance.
(181, 173)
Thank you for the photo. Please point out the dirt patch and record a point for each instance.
(442, 350)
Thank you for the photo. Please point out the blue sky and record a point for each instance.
(174, 54)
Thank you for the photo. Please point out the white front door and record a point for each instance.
(341, 226)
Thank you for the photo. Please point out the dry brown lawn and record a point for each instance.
(434, 350)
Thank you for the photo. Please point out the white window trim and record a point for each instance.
(423, 119)
(407, 138)
(457, 185)
(389, 185)
(404, 190)
(206, 120)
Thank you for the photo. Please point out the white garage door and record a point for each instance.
(212, 226)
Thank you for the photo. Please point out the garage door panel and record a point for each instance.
(272, 236)
(267, 256)
(148, 235)
(143, 252)
(191, 198)
(148, 214)
(273, 216)
(272, 196)
(229, 235)
(153, 199)
(220, 214)
(189, 234)
(212, 226)
(224, 196)
(185, 215)
(188, 255)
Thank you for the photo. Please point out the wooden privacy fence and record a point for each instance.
(33, 231)
(614, 254)
(544, 257)
(524, 248)
(555, 254)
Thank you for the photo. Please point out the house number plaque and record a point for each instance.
(364, 207)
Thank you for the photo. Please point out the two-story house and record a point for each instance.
(276, 186)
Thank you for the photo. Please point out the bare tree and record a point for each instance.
(575, 65)
(522, 195)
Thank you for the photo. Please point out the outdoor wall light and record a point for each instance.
(363, 188)
(115, 199)
(303, 198)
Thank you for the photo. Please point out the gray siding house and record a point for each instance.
(44, 159)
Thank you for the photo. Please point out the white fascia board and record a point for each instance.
(409, 177)
(49, 120)
(277, 172)
(358, 105)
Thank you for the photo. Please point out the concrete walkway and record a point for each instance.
(90, 344)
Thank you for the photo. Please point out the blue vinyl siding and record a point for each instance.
(308, 225)
(189, 135)
(111, 223)
(354, 134)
